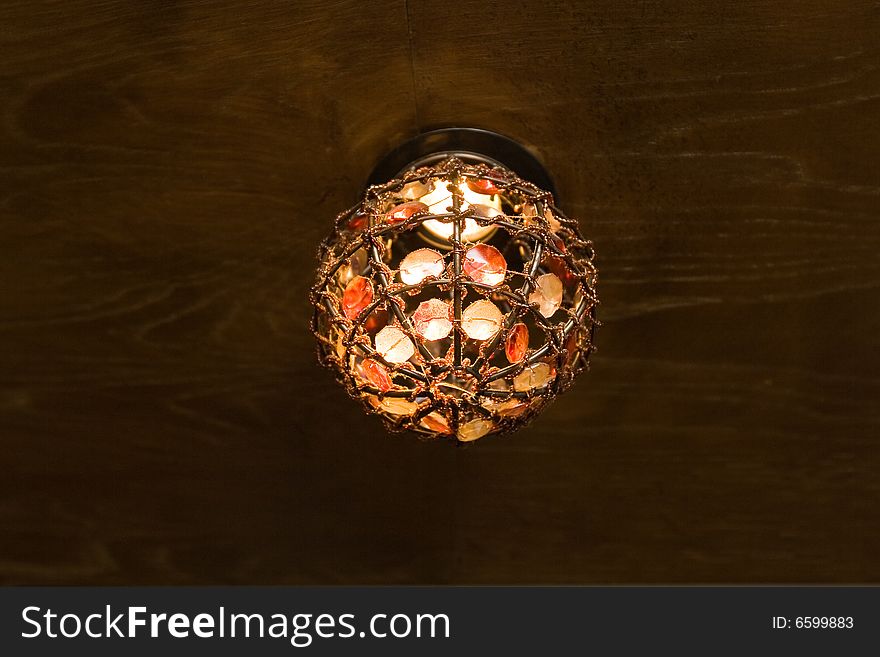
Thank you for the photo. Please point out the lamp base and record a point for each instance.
(471, 145)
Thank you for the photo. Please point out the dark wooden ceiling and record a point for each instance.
(167, 169)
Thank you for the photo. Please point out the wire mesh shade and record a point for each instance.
(455, 301)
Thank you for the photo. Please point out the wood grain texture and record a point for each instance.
(167, 169)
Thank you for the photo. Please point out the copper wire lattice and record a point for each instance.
(455, 386)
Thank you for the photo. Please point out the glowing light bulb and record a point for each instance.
(439, 200)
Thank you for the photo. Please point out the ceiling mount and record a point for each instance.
(471, 145)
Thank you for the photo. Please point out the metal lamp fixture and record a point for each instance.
(455, 299)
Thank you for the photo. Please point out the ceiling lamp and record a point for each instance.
(455, 299)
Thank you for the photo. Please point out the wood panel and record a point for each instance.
(723, 158)
(168, 168)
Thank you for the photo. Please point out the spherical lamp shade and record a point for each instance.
(455, 300)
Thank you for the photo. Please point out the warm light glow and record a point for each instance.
(439, 200)
(455, 343)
